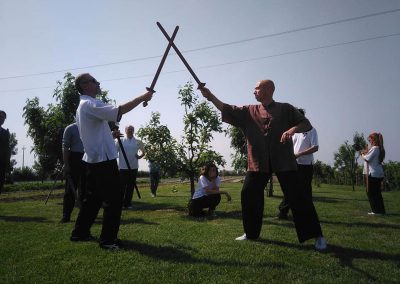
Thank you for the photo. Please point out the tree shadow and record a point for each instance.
(24, 219)
(181, 254)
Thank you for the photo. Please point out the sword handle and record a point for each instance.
(150, 90)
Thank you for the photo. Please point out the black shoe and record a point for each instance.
(82, 239)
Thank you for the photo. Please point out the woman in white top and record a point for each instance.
(207, 193)
(373, 159)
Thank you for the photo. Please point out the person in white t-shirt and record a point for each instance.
(304, 145)
(207, 193)
(128, 176)
(373, 159)
(102, 176)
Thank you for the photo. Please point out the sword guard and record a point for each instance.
(150, 90)
(201, 85)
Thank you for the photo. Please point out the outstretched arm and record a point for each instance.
(135, 102)
(212, 98)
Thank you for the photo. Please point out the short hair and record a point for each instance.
(4, 113)
(78, 81)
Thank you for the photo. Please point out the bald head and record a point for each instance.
(264, 91)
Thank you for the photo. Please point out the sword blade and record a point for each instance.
(160, 66)
(199, 83)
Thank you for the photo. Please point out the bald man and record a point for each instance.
(268, 128)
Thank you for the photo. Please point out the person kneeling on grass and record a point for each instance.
(207, 193)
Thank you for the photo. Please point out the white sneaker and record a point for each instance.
(241, 238)
(320, 243)
(371, 213)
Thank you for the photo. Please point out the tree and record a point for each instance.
(392, 175)
(200, 121)
(323, 173)
(347, 156)
(239, 144)
(160, 146)
(13, 151)
(46, 125)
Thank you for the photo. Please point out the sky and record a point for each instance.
(339, 60)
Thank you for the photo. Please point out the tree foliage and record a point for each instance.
(200, 122)
(392, 175)
(239, 144)
(346, 158)
(160, 146)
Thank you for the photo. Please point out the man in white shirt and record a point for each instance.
(304, 145)
(128, 174)
(102, 183)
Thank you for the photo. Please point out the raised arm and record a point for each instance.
(212, 98)
(135, 102)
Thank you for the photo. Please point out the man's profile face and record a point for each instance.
(260, 91)
(2, 118)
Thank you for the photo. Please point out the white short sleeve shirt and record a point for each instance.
(303, 141)
(203, 182)
(92, 118)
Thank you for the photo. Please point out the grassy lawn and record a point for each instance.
(163, 245)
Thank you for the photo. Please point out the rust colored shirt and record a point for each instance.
(263, 127)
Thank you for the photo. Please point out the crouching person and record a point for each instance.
(207, 193)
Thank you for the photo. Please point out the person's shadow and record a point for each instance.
(346, 256)
(182, 254)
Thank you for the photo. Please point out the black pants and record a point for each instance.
(375, 195)
(102, 188)
(128, 182)
(208, 201)
(154, 180)
(77, 177)
(3, 166)
(304, 215)
(304, 180)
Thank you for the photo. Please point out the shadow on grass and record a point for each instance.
(180, 255)
(24, 219)
(346, 256)
(31, 198)
(361, 224)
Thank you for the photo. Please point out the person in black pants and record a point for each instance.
(74, 169)
(102, 177)
(5, 151)
(304, 146)
(373, 169)
(268, 128)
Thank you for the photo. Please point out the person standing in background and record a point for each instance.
(373, 159)
(5, 151)
(128, 176)
(304, 146)
(154, 169)
(74, 170)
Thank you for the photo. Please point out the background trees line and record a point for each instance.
(177, 158)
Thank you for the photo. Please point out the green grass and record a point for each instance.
(163, 245)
